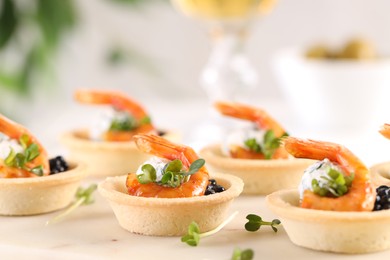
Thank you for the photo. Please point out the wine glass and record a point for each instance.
(228, 74)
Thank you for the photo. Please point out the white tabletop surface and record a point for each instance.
(92, 232)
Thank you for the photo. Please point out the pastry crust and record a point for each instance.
(30, 196)
(169, 216)
(261, 177)
(380, 174)
(341, 232)
(106, 158)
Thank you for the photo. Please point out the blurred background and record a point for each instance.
(49, 48)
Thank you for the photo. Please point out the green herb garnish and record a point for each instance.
(336, 184)
(239, 254)
(83, 197)
(193, 236)
(173, 174)
(270, 144)
(19, 160)
(252, 145)
(125, 123)
(255, 222)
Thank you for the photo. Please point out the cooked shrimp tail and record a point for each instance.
(163, 148)
(256, 115)
(16, 131)
(385, 130)
(361, 195)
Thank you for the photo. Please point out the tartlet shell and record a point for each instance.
(105, 158)
(380, 174)
(31, 196)
(169, 216)
(261, 177)
(340, 232)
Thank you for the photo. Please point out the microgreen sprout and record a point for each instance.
(20, 160)
(173, 174)
(193, 236)
(269, 145)
(255, 222)
(124, 122)
(83, 197)
(239, 254)
(335, 185)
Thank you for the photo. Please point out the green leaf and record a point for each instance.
(9, 161)
(192, 237)
(239, 254)
(55, 18)
(127, 123)
(38, 170)
(145, 120)
(23, 140)
(32, 152)
(195, 166)
(252, 226)
(8, 22)
(255, 222)
(173, 166)
(86, 193)
(83, 197)
(252, 145)
(253, 218)
(149, 174)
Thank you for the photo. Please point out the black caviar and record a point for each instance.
(58, 164)
(213, 187)
(382, 200)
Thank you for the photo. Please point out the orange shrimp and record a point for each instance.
(122, 103)
(385, 130)
(261, 118)
(163, 148)
(16, 131)
(361, 194)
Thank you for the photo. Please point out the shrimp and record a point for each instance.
(16, 131)
(261, 118)
(161, 147)
(119, 102)
(361, 195)
(385, 130)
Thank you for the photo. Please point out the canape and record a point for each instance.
(380, 173)
(169, 191)
(336, 208)
(108, 149)
(30, 183)
(254, 154)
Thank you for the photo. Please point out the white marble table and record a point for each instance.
(92, 232)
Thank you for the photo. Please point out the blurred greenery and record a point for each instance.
(35, 29)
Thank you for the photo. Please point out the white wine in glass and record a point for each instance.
(228, 74)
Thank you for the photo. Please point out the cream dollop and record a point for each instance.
(158, 164)
(238, 138)
(316, 171)
(6, 144)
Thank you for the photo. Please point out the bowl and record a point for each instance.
(169, 216)
(340, 232)
(380, 174)
(105, 158)
(37, 195)
(261, 177)
(329, 94)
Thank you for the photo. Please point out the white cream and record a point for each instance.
(104, 122)
(315, 171)
(158, 164)
(238, 138)
(6, 144)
